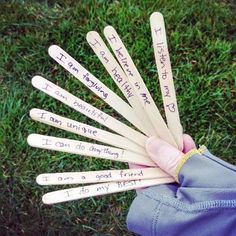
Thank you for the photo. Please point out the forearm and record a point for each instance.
(158, 214)
(203, 204)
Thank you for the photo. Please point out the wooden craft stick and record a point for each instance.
(132, 73)
(82, 129)
(88, 110)
(163, 64)
(100, 176)
(100, 189)
(119, 77)
(87, 149)
(95, 85)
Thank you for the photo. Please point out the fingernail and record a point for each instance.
(152, 145)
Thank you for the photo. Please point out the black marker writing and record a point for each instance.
(145, 98)
(54, 120)
(157, 31)
(113, 38)
(103, 54)
(166, 91)
(42, 115)
(103, 188)
(62, 144)
(171, 107)
(46, 141)
(96, 42)
(47, 86)
(61, 57)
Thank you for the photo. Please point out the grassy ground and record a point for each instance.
(202, 46)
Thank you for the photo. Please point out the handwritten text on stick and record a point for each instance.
(70, 124)
(87, 149)
(141, 90)
(85, 76)
(111, 65)
(87, 109)
(125, 61)
(100, 176)
(100, 189)
(120, 78)
(162, 59)
(85, 130)
(67, 98)
(95, 85)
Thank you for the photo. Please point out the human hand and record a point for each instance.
(203, 202)
(165, 155)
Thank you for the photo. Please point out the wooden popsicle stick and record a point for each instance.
(163, 64)
(132, 73)
(95, 85)
(100, 189)
(87, 149)
(88, 110)
(119, 77)
(82, 129)
(100, 176)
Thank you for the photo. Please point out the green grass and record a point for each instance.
(202, 45)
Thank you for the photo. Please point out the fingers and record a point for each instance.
(189, 144)
(136, 166)
(163, 154)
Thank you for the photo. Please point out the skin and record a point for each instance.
(165, 155)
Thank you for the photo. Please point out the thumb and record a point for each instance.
(163, 154)
(188, 142)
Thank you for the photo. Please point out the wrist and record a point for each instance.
(185, 158)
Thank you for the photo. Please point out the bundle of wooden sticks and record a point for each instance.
(127, 144)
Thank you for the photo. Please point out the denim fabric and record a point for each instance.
(204, 203)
